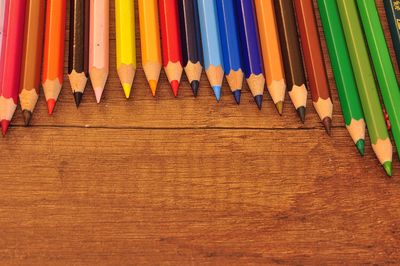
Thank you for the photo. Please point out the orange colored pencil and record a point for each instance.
(271, 50)
(53, 64)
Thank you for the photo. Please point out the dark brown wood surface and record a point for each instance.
(190, 181)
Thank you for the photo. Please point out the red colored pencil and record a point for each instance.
(11, 59)
(171, 42)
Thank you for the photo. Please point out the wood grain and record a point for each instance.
(190, 181)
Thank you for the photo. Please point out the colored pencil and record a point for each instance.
(192, 53)
(171, 42)
(210, 38)
(11, 58)
(126, 43)
(150, 42)
(99, 45)
(392, 8)
(343, 72)
(231, 49)
(53, 64)
(251, 50)
(271, 51)
(291, 54)
(2, 14)
(78, 59)
(32, 57)
(314, 61)
(365, 82)
(384, 69)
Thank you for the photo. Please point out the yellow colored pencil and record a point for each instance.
(150, 41)
(126, 44)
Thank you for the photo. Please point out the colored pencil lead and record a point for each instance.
(361, 146)
(327, 122)
(236, 95)
(217, 92)
(78, 98)
(258, 99)
(4, 126)
(27, 117)
(51, 103)
(195, 87)
(279, 107)
(301, 111)
(388, 168)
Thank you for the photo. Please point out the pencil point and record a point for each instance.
(301, 111)
(78, 98)
(4, 127)
(217, 92)
(153, 87)
(98, 93)
(51, 103)
(127, 89)
(327, 121)
(279, 107)
(388, 167)
(175, 87)
(195, 87)
(236, 95)
(27, 117)
(360, 144)
(258, 99)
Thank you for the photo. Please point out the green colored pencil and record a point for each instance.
(383, 64)
(343, 72)
(365, 83)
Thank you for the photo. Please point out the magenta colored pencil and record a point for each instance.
(11, 59)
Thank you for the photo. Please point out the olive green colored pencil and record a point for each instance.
(343, 72)
(365, 83)
(383, 64)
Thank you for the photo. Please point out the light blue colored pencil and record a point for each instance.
(210, 37)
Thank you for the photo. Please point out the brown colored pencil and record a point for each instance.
(291, 55)
(314, 61)
(78, 63)
(32, 57)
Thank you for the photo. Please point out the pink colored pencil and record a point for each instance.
(11, 59)
(99, 45)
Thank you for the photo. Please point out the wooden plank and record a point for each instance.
(205, 196)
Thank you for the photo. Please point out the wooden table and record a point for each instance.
(190, 181)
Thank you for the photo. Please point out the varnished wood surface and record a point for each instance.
(190, 181)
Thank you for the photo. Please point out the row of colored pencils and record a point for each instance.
(354, 34)
(265, 42)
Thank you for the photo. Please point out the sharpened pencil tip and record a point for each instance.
(175, 87)
(301, 111)
(4, 127)
(360, 144)
(259, 100)
(51, 103)
(388, 167)
(327, 121)
(279, 107)
(127, 90)
(78, 98)
(195, 87)
(153, 87)
(98, 92)
(237, 94)
(27, 117)
(217, 92)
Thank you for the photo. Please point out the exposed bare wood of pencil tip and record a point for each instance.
(52, 88)
(256, 84)
(78, 81)
(235, 79)
(174, 71)
(28, 99)
(126, 74)
(298, 95)
(215, 75)
(193, 71)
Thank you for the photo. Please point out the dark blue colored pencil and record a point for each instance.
(392, 8)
